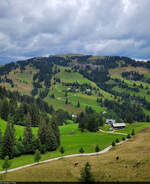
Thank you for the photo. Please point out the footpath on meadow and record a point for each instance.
(113, 132)
(67, 156)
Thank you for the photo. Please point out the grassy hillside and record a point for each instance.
(22, 80)
(105, 167)
(19, 129)
(72, 140)
(84, 78)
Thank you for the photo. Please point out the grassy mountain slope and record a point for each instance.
(72, 140)
(95, 76)
(105, 167)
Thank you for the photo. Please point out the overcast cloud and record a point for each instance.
(31, 28)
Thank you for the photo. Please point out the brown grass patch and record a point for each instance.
(117, 71)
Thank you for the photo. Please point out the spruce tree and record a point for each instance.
(113, 144)
(97, 148)
(133, 132)
(37, 156)
(50, 139)
(81, 120)
(62, 150)
(55, 129)
(1, 142)
(66, 102)
(28, 131)
(86, 175)
(42, 130)
(6, 164)
(117, 140)
(4, 109)
(78, 105)
(81, 150)
(8, 141)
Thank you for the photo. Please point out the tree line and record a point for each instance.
(47, 138)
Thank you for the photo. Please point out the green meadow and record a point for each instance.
(72, 140)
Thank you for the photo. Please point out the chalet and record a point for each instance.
(118, 125)
(110, 121)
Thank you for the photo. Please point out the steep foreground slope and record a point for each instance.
(133, 164)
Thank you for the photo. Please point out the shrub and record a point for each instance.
(113, 144)
(62, 150)
(97, 148)
(81, 150)
(133, 132)
(128, 136)
(117, 140)
(123, 138)
(37, 156)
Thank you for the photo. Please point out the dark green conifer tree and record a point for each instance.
(86, 175)
(50, 139)
(78, 105)
(1, 142)
(6, 164)
(42, 130)
(28, 131)
(8, 142)
(4, 109)
(55, 128)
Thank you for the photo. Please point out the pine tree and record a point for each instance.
(1, 142)
(4, 109)
(113, 144)
(66, 102)
(133, 132)
(62, 150)
(128, 136)
(50, 139)
(37, 156)
(6, 164)
(8, 141)
(117, 140)
(81, 120)
(55, 129)
(28, 131)
(42, 131)
(86, 175)
(78, 105)
(81, 150)
(97, 148)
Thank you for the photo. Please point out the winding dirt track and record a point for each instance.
(67, 156)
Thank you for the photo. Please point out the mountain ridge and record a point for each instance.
(96, 81)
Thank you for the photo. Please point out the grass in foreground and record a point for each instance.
(72, 140)
(105, 167)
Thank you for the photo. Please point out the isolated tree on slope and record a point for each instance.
(37, 156)
(6, 164)
(86, 175)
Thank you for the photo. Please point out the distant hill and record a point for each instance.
(118, 87)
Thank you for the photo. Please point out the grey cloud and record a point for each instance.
(37, 27)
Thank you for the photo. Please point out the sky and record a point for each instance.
(30, 28)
